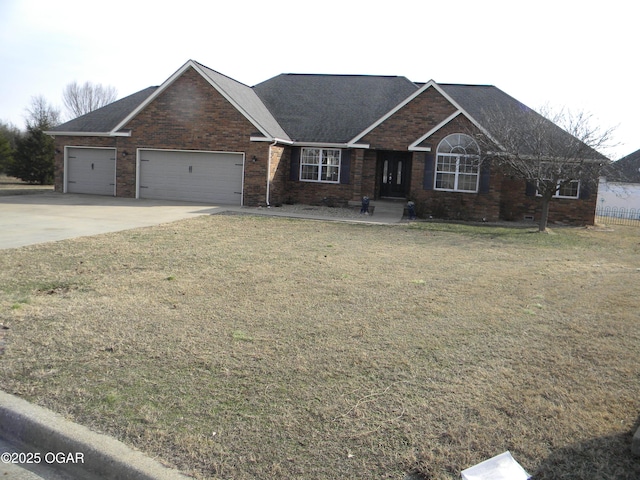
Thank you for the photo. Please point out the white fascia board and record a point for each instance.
(271, 140)
(88, 134)
(310, 144)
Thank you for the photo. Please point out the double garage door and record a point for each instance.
(214, 177)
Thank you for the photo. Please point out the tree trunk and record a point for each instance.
(544, 216)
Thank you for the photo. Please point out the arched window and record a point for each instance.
(458, 164)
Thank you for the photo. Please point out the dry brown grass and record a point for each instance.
(255, 347)
(15, 186)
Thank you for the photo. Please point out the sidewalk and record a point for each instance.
(382, 212)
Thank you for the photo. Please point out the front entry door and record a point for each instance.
(394, 167)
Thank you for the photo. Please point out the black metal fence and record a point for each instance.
(618, 216)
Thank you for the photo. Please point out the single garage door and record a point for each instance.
(213, 177)
(91, 170)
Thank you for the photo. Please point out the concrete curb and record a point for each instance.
(635, 443)
(104, 457)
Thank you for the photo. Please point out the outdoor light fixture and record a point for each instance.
(254, 158)
(124, 154)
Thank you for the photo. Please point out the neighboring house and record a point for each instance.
(619, 188)
(202, 136)
(625, 170)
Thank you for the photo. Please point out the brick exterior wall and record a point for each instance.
(316, 193)
(516, 205)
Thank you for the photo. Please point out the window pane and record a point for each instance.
(445, 181)
(468, 165)
(446, 164)
(569, 189)
(459, 143)
(331, 157)
(329, 173)
(309, 172)
(467, 182)
(311, 155)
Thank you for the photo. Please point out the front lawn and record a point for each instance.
(256, 347)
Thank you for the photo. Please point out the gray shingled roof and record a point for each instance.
(489, 106)
(627, 169)
(331, 108)
(105, 119)
(322, 108)
(479, 100)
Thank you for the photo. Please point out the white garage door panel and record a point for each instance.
(91, 170)
(191, 176)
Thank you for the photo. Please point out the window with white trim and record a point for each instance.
(320, 165)
(458, 164)
(569, 189)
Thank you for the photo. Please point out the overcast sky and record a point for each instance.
(579, 55)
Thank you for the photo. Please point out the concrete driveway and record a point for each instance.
(48, 217)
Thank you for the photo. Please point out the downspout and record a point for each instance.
(269, 173)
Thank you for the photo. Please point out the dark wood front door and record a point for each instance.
(394, 169)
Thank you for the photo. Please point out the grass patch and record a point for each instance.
(526, 236)
(281, 348)
(15, 186)
(242, 336)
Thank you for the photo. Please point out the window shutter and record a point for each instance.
(530, 190)
(294, 172)
(345, 166)
(485, 176)
(585, 191)
(427, 182)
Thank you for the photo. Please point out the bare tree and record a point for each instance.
(82, 99)
(41, 115)
(555, 152)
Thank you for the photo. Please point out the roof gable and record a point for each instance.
(239, 95)
(330, 108)
(431, 84)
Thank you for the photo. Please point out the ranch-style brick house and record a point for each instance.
(202, 136)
